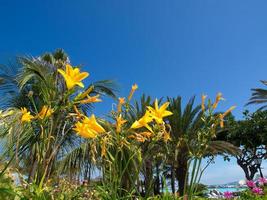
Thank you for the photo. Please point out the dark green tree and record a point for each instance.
(250, 135)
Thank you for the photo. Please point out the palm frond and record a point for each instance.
(259, 96)
(221, 148)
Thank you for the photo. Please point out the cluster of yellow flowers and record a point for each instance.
(214, 106)
(73, 77)
(88, 127)
(157, 114)
(44, 113)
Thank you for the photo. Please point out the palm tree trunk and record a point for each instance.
(173, 179)
(181, 176)
(157, 181)
(148, 178)
(32, 171)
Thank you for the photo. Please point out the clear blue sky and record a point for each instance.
(168, 47)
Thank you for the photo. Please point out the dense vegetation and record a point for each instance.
(53, 144)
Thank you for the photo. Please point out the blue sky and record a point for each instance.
(169, 47)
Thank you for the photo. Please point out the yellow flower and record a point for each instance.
(88, 128)
(26, 116)
(73, 76)
(143, 122)
(92, 123)
(203, 98)
(221, 120)
(119, 122)
(103, 147)
(140, 138)
(159, 113)
(134, 87)
(166, 136)
(93, 99)
(83, 130)
(79, 115)
(146, 134)
(218, 98)
(121, 102)
(228, 111)
(86, 92)
(45, 112)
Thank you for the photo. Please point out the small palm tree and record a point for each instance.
(185, 126)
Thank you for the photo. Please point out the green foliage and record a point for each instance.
(201, 189)
(135, 142)
(66, 190)
(250, 132)
(250, 135)
(7, 191)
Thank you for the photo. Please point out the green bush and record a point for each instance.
(6, 188)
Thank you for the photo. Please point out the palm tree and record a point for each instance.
(259, 96)
(185, 125)
(38, 83)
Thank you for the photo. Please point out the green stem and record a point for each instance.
(196, 175)
(186, 177)
(192, 178)
(33, 103)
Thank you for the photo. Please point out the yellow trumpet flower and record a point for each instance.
(86, 92)
(93, 99)
(166, 136)
(83, 130)
(79, 115)
(221, 120)
(88, 128)
(73, 76)
(143, 122)
(103, 147)
(119, 122)
(121, 102)
(92, 123)
(134, 87)
(159, 113)
(218, 98)
(146, 134)
(140, 138)
(26, 115)
(228, 111)
(203, 98)
(45, 112)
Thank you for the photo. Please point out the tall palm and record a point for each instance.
(184, 126)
